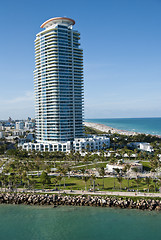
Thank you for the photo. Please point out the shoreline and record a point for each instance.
(103, 128)
(55, 200)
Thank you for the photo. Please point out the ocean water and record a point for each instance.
(141, 125)
(77, 223)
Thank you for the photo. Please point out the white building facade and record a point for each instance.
(1, 134)
(48, 146)
(79, 144)
(91, 144)
(144, 146)
(58, 79)
(19, 125)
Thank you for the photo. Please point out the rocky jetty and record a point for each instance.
(97, 201)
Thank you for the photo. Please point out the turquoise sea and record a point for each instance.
(77, 223)
(141, 125)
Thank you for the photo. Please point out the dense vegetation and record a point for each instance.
(32, 170)
(92, 131)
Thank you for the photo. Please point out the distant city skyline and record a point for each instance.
(122, 55)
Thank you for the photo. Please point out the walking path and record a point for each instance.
(126, 194)
(81, 192)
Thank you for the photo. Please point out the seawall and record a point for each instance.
(80, 200)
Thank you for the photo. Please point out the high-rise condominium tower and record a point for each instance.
(58, 80)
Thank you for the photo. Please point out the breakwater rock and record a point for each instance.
(102, 201)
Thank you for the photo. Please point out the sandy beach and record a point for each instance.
(106, 129)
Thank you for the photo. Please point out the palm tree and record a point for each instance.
(114, 174)
(102, 155)
(5, 181)
(148, 181)
(55, 181)
(37, 163)
(93, 177)
(145, 155)
(85, 178)
(102, 174)
(118, 174)
(70, 157)
(137, 180)
(32, 183)
(59, 178)
(128, 173)
(86, 158)
(135, 152)
(44, 178)
(155, 183)
(48, 169)
(24, 178)
(119, 179)
(83, 171)
(68, 170)
(113, 160)
(77, 157)
(62, 171)
(151, 187)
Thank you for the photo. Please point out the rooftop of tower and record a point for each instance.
(58, 20)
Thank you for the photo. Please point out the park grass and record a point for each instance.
(146, 166)
(77, 183)
(90, 166)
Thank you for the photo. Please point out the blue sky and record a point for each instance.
(121, 40)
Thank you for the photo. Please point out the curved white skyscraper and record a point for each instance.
(58, 80)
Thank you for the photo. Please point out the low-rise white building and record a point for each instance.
(111, 168)
(18, 132)
(79, 144)
(144, 146)
(91, 143)
(48, 146)
(19, 125)
(1, 135)
(1, 126)
(29, 125)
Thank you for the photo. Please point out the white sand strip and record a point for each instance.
(106, 129)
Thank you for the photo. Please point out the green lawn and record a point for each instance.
(146, 166)
(92, 165)
(75, 183)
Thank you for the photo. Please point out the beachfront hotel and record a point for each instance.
(58, 84)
